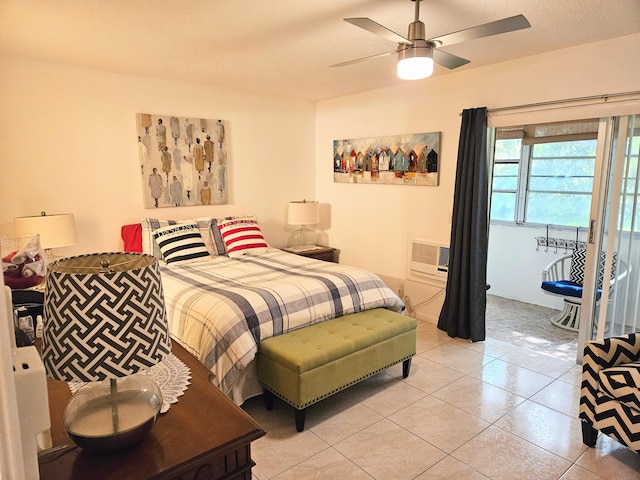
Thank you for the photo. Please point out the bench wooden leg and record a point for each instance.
(300, 415)
(268, 399)
(406, 366)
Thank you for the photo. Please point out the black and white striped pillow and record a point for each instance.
(181, 243)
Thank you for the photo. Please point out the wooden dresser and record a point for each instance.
(204, 436)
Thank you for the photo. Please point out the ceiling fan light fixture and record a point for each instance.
(415, 62)
(415, 52)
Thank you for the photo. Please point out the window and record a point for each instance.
(560, 183)
(506, 171)
(630, 201)
(543, 174)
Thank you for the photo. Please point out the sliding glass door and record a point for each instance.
(611, 298)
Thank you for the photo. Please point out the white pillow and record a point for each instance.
(181, 243)
(242, 236)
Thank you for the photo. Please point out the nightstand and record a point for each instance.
(327, 254)
(204, 435)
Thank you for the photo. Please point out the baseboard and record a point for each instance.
(424, 317)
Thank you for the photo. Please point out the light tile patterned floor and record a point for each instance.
(493, 409)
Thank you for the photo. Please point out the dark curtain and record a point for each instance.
(463, 311)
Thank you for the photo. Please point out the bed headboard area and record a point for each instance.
(231, 236)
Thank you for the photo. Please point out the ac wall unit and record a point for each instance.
(428, 260)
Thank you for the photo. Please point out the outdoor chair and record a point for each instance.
(564, 277)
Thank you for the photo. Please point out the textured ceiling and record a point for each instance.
(284, 47)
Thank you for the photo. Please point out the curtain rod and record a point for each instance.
(604, 98)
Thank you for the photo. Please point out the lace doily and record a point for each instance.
(171, 375)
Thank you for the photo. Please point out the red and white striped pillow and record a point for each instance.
(242, 236)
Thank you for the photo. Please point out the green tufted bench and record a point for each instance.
(307, 365)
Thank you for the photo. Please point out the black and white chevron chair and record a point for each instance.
(610, 394)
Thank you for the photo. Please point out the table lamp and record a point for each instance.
(303, 213)
(104, 319)
(55, 230)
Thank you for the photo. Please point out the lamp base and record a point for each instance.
(302, 239)
(105, 416)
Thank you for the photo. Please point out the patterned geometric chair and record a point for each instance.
(610, 394)
(564, 277)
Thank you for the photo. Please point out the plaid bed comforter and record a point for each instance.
(220, 309)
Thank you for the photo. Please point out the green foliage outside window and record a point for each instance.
(558, 187)
(558, 183)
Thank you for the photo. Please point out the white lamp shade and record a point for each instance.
(303, 213)
(104, 316)
(55, 230)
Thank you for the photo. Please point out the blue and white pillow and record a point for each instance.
(181, 243)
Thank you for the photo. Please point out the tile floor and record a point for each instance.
(467, 411)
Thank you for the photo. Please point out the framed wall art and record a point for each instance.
(183, 161)
(411, 159)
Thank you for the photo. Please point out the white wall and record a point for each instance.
(370, 223)
(515, 263)
(68, 145)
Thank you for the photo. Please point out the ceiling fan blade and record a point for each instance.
(448, 60)
(505, 25)
(373, 27)
(363, 59)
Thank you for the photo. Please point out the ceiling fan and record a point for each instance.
(416, 54)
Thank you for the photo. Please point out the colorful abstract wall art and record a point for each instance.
(411, 159)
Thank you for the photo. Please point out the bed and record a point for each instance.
(223, 300)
